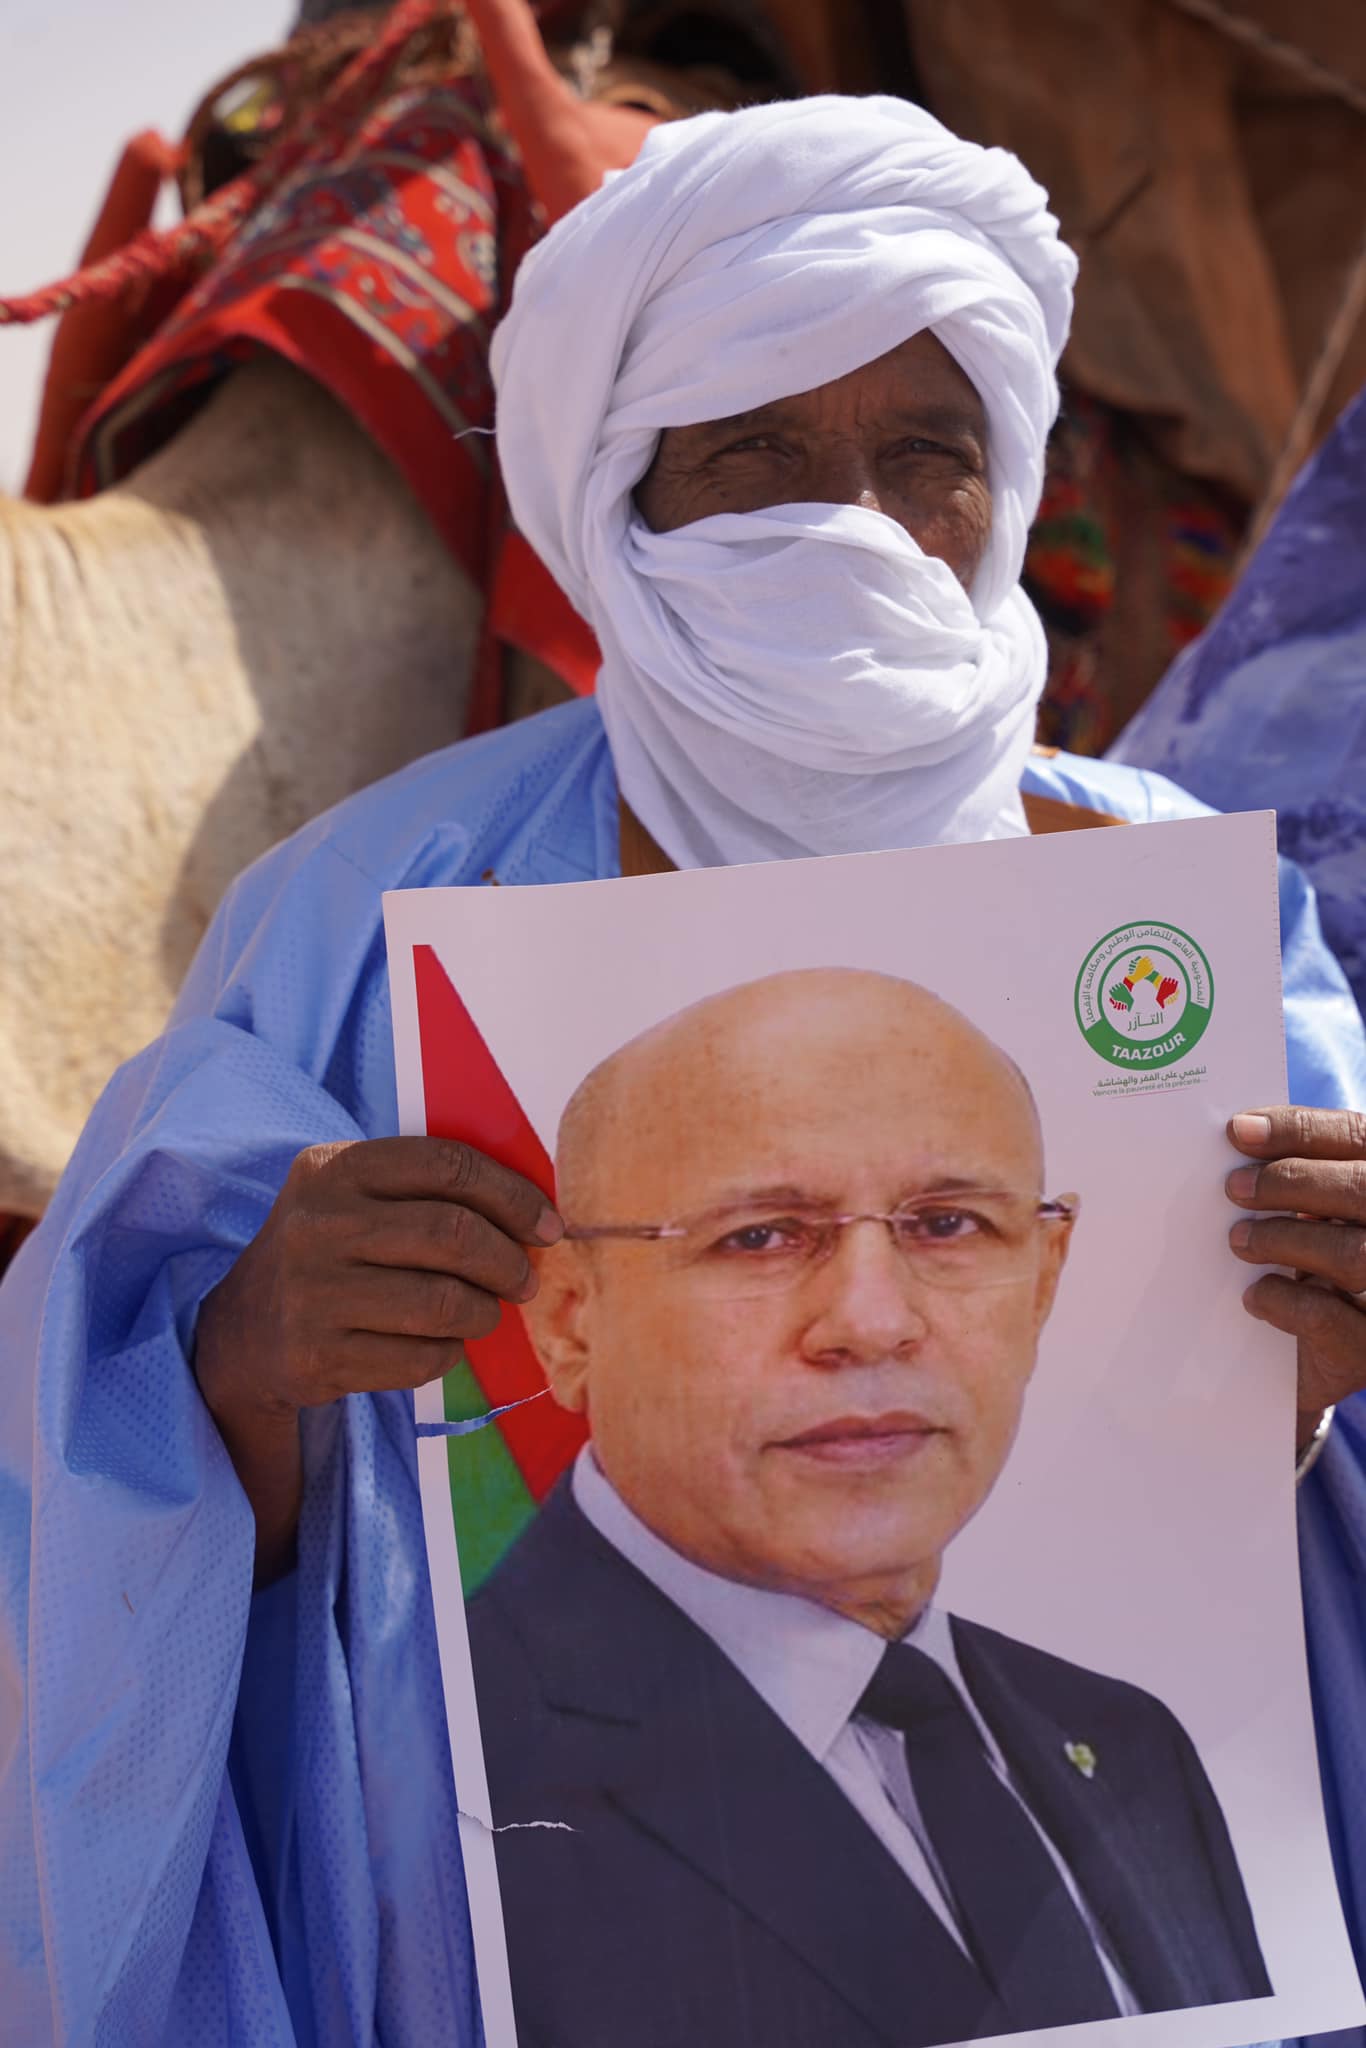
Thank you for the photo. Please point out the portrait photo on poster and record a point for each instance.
(865, 1571)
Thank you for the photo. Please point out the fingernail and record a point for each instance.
(1240, 1237)
(1251, 1130)
(549, 1228)
(530, 1287)
(1250, 1301)
(1242, 1183)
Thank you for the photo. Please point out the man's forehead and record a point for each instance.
(784, 1073)
(775, 1106)
(752, 1139)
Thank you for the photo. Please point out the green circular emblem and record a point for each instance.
(1144, 996)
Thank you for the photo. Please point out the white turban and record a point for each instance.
(805, 679)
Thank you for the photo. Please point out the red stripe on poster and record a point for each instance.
(468, 1098)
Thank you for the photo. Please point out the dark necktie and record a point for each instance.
(1025, 1934)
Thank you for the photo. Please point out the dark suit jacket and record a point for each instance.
(711, 1887)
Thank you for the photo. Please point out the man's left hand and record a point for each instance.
(1312, 1169)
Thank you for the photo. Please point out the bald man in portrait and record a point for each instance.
(793, 1803)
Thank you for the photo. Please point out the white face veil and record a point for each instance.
(804, 679)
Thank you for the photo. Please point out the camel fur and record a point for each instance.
(258, 621)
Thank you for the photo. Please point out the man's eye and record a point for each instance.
(780, 1235)
(939, 1226)
(753, 444)
(918, 446)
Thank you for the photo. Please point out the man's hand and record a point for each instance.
(1313, 1171)
(376, 1263)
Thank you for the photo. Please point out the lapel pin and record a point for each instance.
(1081, 1756)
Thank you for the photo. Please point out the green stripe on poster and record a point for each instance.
(489, 1499)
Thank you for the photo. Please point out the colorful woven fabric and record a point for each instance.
(1128, 561)
(379, 272)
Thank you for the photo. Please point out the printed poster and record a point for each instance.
(865, 1573)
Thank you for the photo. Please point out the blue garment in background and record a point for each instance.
(1268, 708)
(233, 1821)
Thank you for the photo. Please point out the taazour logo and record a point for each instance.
(1144, 996)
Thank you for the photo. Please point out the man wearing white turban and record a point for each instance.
(772, 408)
(806, 677)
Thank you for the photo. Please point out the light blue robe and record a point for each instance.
(226, 1820)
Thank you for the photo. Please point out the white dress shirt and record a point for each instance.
(811, 1667)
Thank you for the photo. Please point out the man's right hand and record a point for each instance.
(377, 1262)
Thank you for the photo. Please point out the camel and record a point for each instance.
(257, 621)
